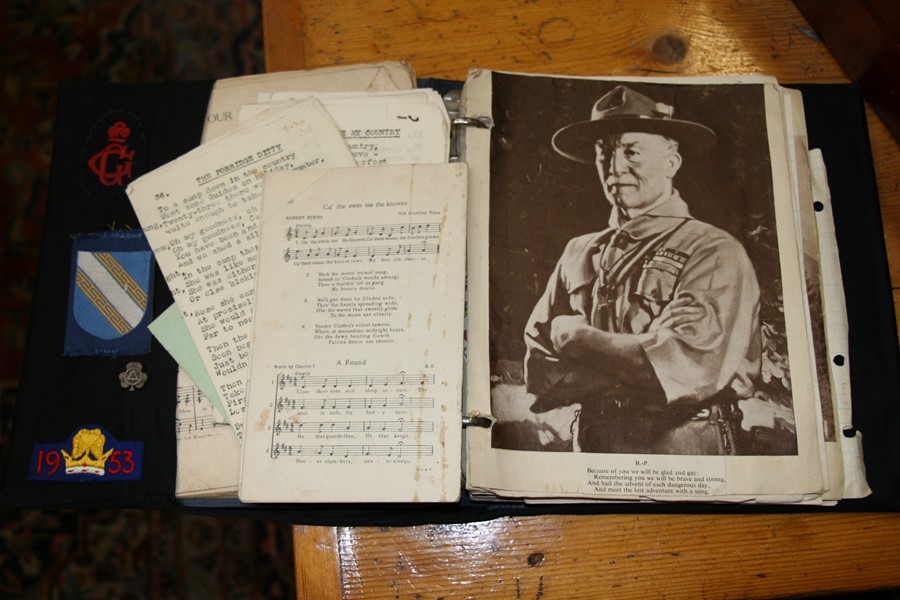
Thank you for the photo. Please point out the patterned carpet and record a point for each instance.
(111, 554)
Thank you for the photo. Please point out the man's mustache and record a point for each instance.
(620, 182)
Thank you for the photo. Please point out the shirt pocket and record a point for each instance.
(580, 298)
(655, 287)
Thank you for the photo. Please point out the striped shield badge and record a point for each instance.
(111, 291)
(110, 300)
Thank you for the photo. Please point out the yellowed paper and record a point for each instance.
(200, 215)
(229, 94)
(356, 374)
(209, 454)
(783, 462)
(383, 129)
(854, 480)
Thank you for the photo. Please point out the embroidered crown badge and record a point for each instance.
(87, 453)
(96, 455)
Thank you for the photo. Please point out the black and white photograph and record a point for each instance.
(636, 301)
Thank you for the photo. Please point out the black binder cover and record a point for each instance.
(106, 135)
(60, 394)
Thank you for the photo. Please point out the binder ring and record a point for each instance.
(479, 122)
(476, 421)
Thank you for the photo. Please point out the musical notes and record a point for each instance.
(296, 395)
(194, 412)
(195, 424)
(305, 232)
(422, 248)
(370, 381)
(287, 403)
(347, 450)
(398, 426)
(401, 233)
(189, 394)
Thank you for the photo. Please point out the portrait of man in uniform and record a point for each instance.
(645, 337)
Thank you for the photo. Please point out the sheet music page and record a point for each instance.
(200, 214)
(208, 452)
(356, 374)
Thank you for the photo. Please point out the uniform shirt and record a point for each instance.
(668, 255)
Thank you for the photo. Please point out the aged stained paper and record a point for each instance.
(519, 185)
(229, 94)
(200, 215)
(382, 128)
(356, 374)
(812, 246)
(854, 476)
(209, 455)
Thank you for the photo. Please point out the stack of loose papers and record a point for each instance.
(338, 182)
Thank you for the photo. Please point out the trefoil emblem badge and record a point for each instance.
(133, 377)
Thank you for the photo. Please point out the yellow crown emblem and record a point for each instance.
(87, 453)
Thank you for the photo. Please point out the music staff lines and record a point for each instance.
(285, 403)
(399, 426)
(188, 419)
(191, 424)
(285, 381)
(300, 232)
(188, 394)
(422, 248)
(348, 450)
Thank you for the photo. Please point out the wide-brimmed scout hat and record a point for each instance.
(624, 110)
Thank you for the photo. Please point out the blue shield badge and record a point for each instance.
(110, 299)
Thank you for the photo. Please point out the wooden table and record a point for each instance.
(610, 556)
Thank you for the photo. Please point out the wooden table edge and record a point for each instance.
(772, 555)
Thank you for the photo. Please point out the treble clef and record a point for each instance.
(287, 255)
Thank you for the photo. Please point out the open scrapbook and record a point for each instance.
(619, 290)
